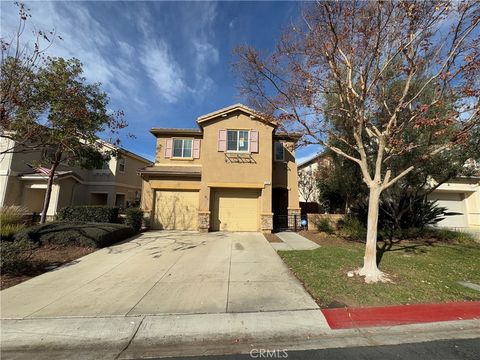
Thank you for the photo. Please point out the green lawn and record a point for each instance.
(422, 274)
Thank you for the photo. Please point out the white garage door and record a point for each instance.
(235, 210)
(455, 203)
(176, 210)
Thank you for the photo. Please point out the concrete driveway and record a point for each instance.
(164, 272)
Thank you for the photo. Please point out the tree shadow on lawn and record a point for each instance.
(409, 245)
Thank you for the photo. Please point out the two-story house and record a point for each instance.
(232, 173)
(114, 183)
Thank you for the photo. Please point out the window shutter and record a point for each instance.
(196, 148)
(168, 148)
(254, 141)
(222, 140)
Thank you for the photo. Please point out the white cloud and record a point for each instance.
(83, 38)
(122, 65)
(163, 70)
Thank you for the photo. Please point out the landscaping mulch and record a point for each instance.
(322, 238)
(44, 259)
(272, 238)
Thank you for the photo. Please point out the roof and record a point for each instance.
(124, 151)
(166, 170)
(176, 131)
(35, 175)
(287, 136)
(236, 107)
(311, 160)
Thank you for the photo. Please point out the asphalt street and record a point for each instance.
(459, 349)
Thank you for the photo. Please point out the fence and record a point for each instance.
(289, 222)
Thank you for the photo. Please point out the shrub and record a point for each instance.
(134, 218)
(408, 212)
(8, 230)
(447, 235)
(76, 234)
(352, 228)
(99, 214)
(14, 255)
(324, 225)
(11, 221)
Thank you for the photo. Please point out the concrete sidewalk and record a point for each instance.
(293, 241)
(136, 337)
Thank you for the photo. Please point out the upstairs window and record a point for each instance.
(121, 164)
(279, 151)
(182, 148)
(237, 140)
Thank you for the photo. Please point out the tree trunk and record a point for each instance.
(48, 193)
(370, 269)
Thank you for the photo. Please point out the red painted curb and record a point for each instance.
(346, 318)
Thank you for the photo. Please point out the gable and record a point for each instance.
(225, 113)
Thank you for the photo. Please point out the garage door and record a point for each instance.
(454, 202)
(176, 210)
(235, 210)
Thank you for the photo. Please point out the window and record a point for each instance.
(121, 164)
(237, 140)
(182, 148)
(279, 151)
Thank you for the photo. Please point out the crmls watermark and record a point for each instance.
(268, 354)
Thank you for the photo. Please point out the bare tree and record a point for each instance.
(308, 184)
(20, 62)
(354, 51)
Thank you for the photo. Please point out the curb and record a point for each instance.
(348, 318)
(204, 334)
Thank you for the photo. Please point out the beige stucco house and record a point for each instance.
(232, 173)
(114, 184)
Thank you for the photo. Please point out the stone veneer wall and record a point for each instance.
(313, 219)
(203, 221)
(266, 222)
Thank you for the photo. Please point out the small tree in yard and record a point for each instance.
(75, 112)
(355, 51)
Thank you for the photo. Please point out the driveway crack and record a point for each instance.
(131, 339)
(161, 278)
(229, 272)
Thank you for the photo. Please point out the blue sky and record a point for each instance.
(162, 63)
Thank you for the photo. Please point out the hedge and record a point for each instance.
(134, 218)
(14, 255)
(99, 214)
(76, 234)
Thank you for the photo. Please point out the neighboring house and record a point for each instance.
(307, 177)
(232, 173)
(114, 184)
(461, 197)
